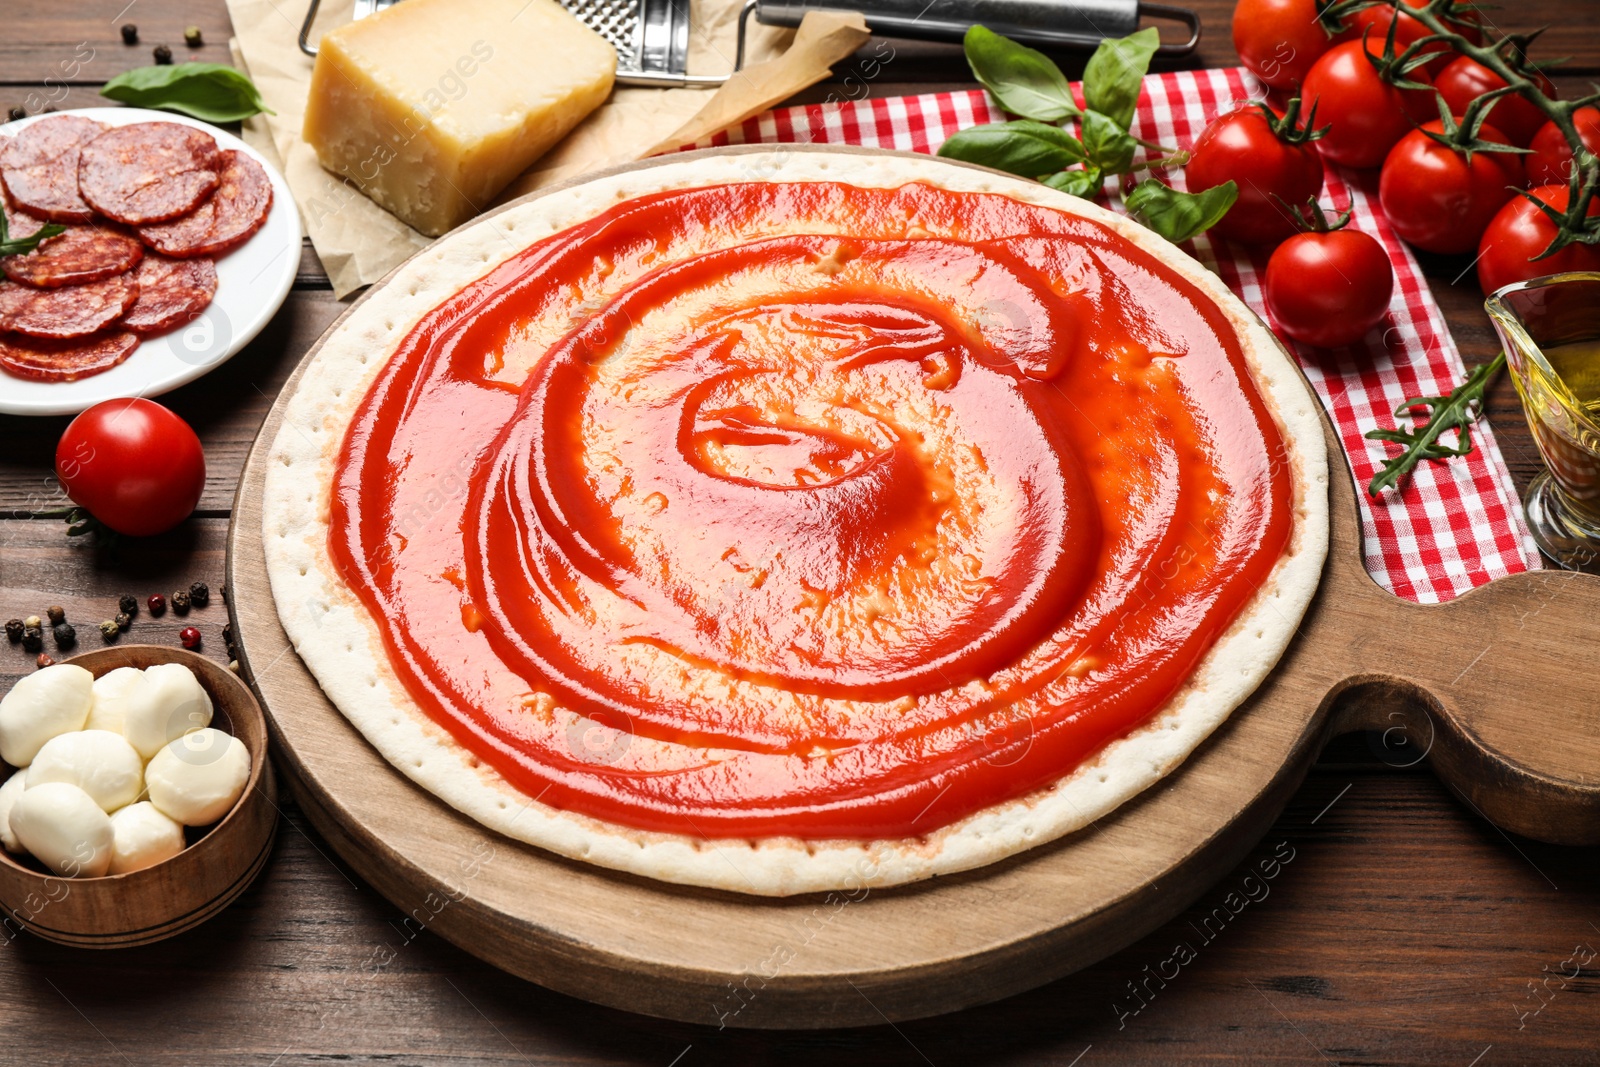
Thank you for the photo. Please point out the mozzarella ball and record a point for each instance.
(98, 762)
(169, 704)
(112, 692)
(42, 705)
(64, 828)
(198, 778)
(8, 796)
(142, 837)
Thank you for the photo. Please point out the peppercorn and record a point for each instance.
(157, 604)
(128, 604)
(163, 55)
(122, 620)
(32, 639)
(64, 633)
(33, 621)
(180, 602)
(16, 113)
(14, 630)
(190, 638)
(109, 630)
(57, 614)
(199, 594)
(224, 592)
(191, 36)
(130, 33)
(43, 660)
(233, 665)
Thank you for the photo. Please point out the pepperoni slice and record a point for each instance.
(82, 254)
(65, 361)
(171, 293)
(39, 166)
(72, 311)
(235, 211)
(148, 171)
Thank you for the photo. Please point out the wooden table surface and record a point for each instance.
(1405, 930)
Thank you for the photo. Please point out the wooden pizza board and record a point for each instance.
(1489, 686)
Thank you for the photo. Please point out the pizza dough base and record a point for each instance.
(331, 630)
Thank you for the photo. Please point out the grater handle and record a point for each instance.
(1041, 23)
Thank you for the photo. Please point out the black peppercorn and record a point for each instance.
(14, 630)
(16, 113)
(56, 614)
(162, 54)
(128, 604)
(157, 604)
(32, 638)
(130, 33)
(109, 630)
(122, 620)
(199, 594)
(180, 602)
(192, 38)
(64, 634)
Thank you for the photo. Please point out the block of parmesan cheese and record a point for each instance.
(432, 107)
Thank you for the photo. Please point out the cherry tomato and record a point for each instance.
(1520, 232)
(1438, 201)
(1551, 162)
(1372, 23)
(1464, 80)
(1279, 39)
(133, 464)
(1243, 147)
(1329, 289)
(1365, 115)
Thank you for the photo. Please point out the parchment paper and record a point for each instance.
(359, 242)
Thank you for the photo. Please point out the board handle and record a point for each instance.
(1495, 689)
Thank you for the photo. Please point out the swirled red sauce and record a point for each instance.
(809, 509)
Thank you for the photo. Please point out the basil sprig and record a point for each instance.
(209, 92)
(1037, 145)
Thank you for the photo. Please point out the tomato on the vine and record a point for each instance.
(1373, 24)
(1436, 197)
(1329, 287)
(1551, 161)
(1464, 80)
(1279, 39)
(1365, 114)
(1520, 232)
(1267, 154)
(133, 465)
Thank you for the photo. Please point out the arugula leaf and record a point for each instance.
(1106, 144)
(16, 246)
(1453, 412)
(210, 92)
(1115, 73)
(1180, 216)
(1026, 82)
(1086, 182)
(1022, 147)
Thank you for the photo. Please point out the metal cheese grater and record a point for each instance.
(652, 36)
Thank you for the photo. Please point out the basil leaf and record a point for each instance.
(1086, 182)
(1112, 79)
(1180, 216)
(1106, 144)
(210, 92)
(1026, 82)
(1021, 147)
(16, 246)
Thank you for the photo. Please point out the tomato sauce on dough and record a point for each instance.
(809, 509)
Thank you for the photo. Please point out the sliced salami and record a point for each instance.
(72, 311)
(148, 171)
(65, 361)
(234, 211)
(39, 166)
(82, 254)
(171, 293)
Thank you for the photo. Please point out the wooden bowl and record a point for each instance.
(120, 910)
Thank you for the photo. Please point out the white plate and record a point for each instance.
(252, 282)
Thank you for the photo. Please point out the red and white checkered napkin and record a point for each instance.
(1455, 524)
